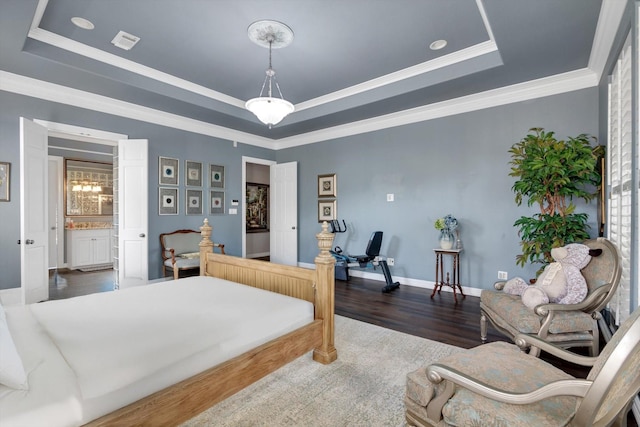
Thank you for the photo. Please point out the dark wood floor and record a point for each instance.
(407, 309)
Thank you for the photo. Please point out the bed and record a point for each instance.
(122, 358)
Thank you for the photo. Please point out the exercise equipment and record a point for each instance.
(336, 228)
(371, 256)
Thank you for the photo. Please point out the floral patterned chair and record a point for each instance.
(497, 384)
(180, 250)
(566, 325)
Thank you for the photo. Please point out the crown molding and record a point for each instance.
(416, 70)
(58, 41)
(34, 88)
(609, 20)
(553, 85)
(73, 46)
(547, 86)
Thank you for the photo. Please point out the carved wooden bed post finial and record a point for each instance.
(206, 244)
(325, 288)
(325, 240)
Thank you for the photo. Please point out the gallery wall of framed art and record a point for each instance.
(197, 177)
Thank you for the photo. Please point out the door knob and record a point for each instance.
(54, 227)
(293, 228)
(141, 235)
(29, 242)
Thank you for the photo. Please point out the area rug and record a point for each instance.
(364, 387)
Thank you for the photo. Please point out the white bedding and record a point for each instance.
(88, 356)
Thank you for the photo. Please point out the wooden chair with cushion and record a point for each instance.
(497, 384)
(181, 251)
(566, 325)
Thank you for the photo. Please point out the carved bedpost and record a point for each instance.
(325, 296)
(206, 245)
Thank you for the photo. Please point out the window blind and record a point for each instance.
(619, 176)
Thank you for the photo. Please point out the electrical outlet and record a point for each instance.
(391, 262)
(503, 275)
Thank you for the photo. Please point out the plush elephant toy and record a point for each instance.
(561, 282)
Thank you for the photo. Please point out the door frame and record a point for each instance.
(58, 184)
(82, 134)
(243, 210)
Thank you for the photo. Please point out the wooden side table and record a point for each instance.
(455, 254)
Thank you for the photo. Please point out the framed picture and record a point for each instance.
(167, 201)
(327, 185)
(216, 176)
(5, 181)
(216, 202)
(326, 210)
(194, 202)
(168, 171)
(193, 173)
(257, 205)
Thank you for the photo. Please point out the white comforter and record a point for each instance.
(121, 346)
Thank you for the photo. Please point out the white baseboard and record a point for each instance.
(406, 281)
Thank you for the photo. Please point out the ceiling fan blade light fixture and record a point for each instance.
(268, 109)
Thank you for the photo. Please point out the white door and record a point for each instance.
(133, 205)
(283, 246)
(34, 223)
(56, 212)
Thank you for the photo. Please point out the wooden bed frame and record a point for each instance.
(188, 398)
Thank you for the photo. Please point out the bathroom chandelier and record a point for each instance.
(270, 110)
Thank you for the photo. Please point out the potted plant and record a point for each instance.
(551, 173)
(446, 225)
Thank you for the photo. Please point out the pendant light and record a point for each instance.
(270, 110)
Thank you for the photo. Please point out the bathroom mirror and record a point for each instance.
(88, 188)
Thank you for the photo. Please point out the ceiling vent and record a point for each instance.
(125, 40)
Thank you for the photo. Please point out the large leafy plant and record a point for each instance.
(551, 173)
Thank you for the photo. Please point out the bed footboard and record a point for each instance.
(316, 286)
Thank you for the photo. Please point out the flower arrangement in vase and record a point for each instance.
(446, 225)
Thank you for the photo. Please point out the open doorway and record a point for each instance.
(81, 221)
(256, 232)
(89, 146)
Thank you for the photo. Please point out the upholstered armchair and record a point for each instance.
(497, 384)
(566, 325)
(180, 250)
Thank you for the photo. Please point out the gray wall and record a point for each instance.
(456, 165)
(163, 141)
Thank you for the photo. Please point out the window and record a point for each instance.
(620, 178)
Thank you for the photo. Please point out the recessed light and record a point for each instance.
(438, 44)
(82, 23)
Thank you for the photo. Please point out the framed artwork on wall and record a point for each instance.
(257, 205)
(168, 170)
(5, 181)
(216, 176)
(216, 202)
(167, 201)
(327, 185)
(326, 210)
(194, 202)
(193, 173)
